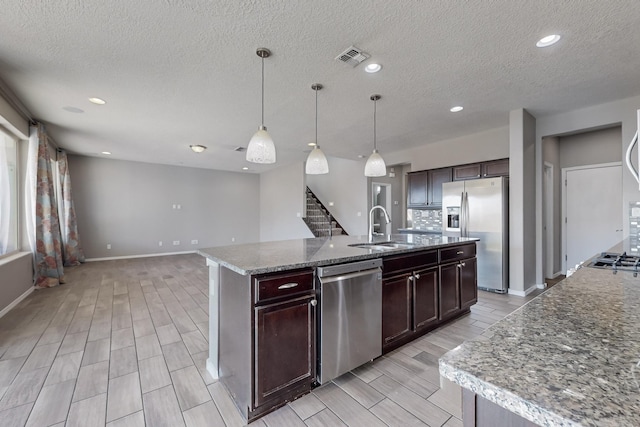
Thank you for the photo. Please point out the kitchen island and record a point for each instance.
(263, 323)
(570, 357)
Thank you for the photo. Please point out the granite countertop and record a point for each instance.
(267, 257)
(570, 357)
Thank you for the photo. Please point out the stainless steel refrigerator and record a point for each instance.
(480, 208)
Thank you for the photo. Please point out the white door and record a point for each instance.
(593, 203)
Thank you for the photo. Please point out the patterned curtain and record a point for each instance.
(48, 249)
(72, 253)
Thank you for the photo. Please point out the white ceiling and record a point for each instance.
(180, 72)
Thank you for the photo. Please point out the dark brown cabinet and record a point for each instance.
(425, 298)
(396, 308)
(284, 353)
(408, 296)
(435, 179)
(425, 188)
(417, 192)
(471, 171)
(449, 289)
(458, 280)
(267, 338)
(495, 168)
(468, 277)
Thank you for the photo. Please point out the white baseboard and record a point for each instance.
(559, 273)
(139, 256)
(542, 285)
(17, 301)
(523, 293)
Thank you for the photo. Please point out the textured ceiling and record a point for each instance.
(180, 72)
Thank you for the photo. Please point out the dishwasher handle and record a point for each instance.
(349, 276)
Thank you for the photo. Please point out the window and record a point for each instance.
(8, 194)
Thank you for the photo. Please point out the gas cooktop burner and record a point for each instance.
(615, 261)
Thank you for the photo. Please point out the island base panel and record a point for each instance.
(479, 412)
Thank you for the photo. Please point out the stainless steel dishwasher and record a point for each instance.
(350, 317)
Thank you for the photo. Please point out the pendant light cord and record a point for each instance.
(375, 102)
(262, 91)
(316, 118)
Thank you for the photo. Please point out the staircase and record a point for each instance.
(319, 219)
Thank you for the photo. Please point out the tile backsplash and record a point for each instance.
(428, 220)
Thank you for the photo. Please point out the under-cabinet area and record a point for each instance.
(270, 322)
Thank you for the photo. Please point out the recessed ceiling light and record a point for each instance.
(456, 109)
(361, 156)
(548, 40)
(373, 68)
(245, 168)
(198, 148)
(98, 101)
(107, 153)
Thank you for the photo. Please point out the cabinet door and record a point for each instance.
(284, 349)
(396, 308)
(467, 171)
(495, 168)
(436, 178)
(449, 290)
(468, 282)
(425, 298)
(417, 184)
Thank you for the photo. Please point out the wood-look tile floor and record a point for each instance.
(124, 343)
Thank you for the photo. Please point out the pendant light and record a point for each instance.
(316, 162)
(261, 148)
(375, 164)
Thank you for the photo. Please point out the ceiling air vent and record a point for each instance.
(239, 149)
(352, 56)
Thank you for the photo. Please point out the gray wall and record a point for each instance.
(346, 186)
(282, 204)
(591, 148)
(130, 206)
(522, 209)
(621, 112)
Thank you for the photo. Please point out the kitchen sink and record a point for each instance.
(383, 246)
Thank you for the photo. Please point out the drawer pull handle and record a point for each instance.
(462, 264)
(287, 286)
(459, 252)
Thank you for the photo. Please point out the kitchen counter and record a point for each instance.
(570, 357)
(268, 257)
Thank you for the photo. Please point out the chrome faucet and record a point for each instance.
(386, 217)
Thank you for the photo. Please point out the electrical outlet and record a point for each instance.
(179, 206)
(176, 242)
(298, 214)
(233, 239)
(108, 245)
(194, 242)
(174, 206)
(160, 243)
(359, 213)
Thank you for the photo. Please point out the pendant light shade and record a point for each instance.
(375, 163)
(261, 148)
(316, 161)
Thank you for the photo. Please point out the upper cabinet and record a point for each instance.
(495, 168)
(435, 179)
(425, 188)
(481, 170)
(417, 196)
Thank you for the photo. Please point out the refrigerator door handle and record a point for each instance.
(462, 218)
(465, 209)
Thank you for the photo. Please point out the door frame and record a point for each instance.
(548, 221)
(564, 203)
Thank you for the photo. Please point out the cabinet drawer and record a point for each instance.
(280, 285)
(398, 263)
(457, 253)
